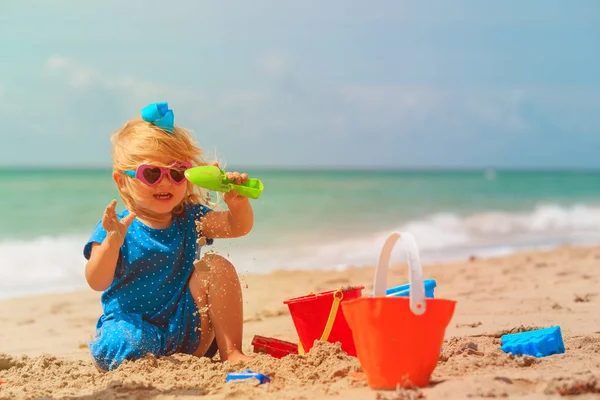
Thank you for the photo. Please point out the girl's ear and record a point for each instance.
(119, 180)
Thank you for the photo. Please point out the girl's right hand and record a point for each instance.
(116, 229)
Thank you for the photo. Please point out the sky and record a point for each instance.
(304, 84)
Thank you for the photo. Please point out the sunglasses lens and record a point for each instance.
(152, 175)
(177, 175)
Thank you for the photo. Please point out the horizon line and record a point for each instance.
(332, 168)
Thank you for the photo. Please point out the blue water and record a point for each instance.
(310, 219)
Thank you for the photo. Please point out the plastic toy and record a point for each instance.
(404, 290)
(398, 338)
(213, 178)
(317, 316)
(247, 374)
(537, 343)
(274, 347)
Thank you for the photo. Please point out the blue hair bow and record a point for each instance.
(160, 115)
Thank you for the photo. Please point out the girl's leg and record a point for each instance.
(218, 295)
(124, 337)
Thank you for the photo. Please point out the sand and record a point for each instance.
(43, 339)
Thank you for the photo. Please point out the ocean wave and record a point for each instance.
(441, 237)
(41, 265)
(47, 264)
(445, 230)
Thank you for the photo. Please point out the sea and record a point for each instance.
(309, 219)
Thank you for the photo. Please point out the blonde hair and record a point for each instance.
(138, 142)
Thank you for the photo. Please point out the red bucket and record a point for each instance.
(398, 339)
(318, 317)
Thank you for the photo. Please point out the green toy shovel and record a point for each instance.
(213, 178)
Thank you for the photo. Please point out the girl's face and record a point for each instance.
(159, 189)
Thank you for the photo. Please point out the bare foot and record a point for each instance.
(237, 356)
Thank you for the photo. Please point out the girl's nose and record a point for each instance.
(164, 180)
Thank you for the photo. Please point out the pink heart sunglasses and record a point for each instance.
(151, 175)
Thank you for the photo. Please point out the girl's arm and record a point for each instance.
(100, 269)
(235, 222)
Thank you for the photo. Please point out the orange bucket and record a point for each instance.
(398, 339)
(318, 317)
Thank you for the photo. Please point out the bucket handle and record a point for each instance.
(338, 295)
(415, 275)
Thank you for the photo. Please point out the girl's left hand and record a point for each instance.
(238, 178)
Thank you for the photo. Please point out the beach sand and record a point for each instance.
(43, 339)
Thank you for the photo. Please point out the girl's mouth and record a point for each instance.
(163, 196)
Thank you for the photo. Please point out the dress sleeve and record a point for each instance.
(98, 236)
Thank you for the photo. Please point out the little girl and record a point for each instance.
(154, 300)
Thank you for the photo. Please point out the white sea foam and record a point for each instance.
(441, 236)
(52, 264)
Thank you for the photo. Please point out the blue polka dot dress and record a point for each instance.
(148, 308)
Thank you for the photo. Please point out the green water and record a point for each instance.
(309, 219)
(301, 203)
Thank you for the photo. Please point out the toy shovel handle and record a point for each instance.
(252, 188)
(415, 272)
(213, 178)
